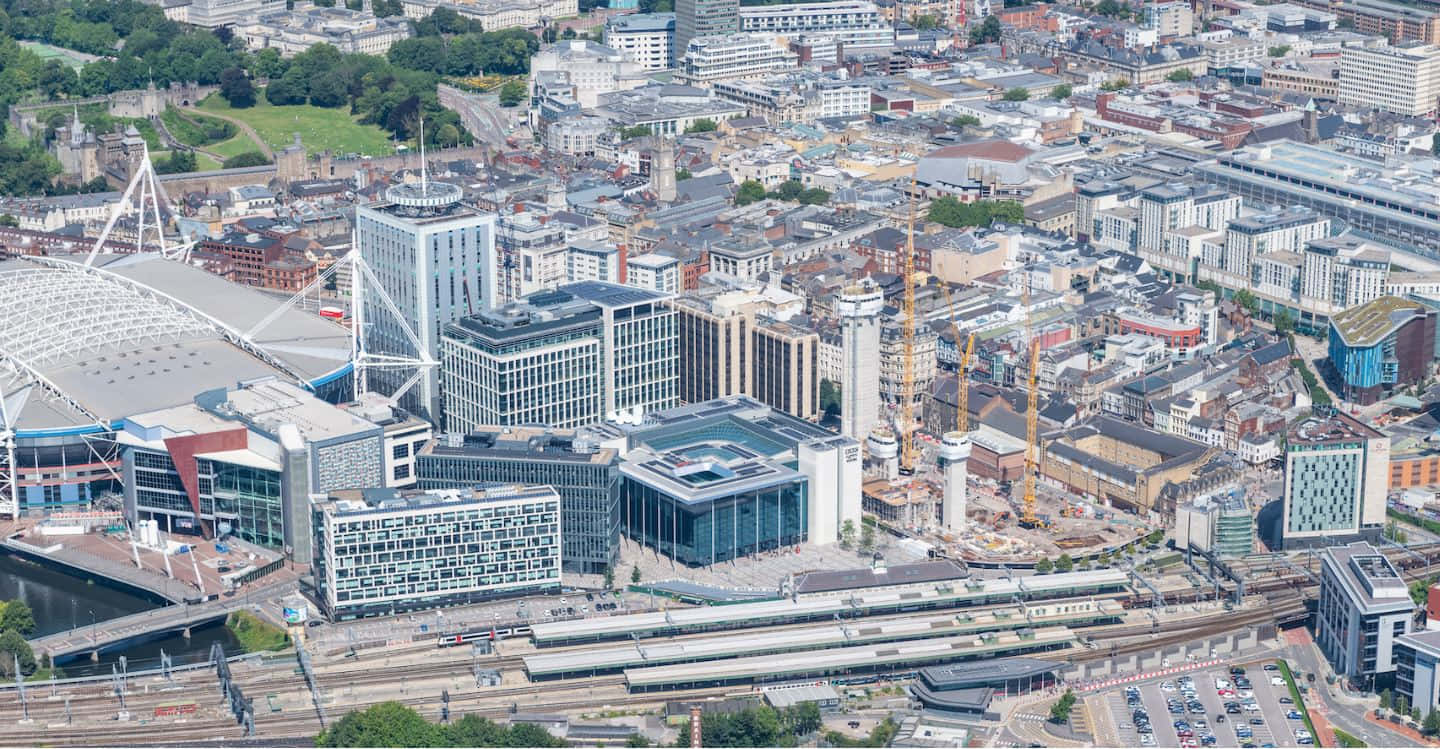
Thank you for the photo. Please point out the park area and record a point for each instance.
(321, 129)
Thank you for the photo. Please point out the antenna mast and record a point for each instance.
(424, 171)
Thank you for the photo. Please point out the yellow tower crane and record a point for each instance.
(1032, 413)
(962, 381)
(906, 426)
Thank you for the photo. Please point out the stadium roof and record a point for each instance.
(83, 346)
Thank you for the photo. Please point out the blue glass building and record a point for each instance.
(1380, 344)
(730, 477)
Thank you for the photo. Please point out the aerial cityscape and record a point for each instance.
(724, 373)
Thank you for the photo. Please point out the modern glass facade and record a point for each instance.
(716, 530)
(1323, 491)
(588, 485)
(246, 499)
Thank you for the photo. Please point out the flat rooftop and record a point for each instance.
(352, 502)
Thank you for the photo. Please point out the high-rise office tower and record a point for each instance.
(859, 309)
(435, 258)
(704, 18)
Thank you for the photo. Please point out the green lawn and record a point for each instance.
(321, 129)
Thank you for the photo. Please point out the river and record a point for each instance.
(63, 601)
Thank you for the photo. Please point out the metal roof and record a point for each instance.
(86, 346)
(808, 607)
(834, 660)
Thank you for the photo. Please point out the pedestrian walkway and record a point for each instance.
(1192, 666)
(1398, 728)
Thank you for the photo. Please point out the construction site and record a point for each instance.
(919, 477)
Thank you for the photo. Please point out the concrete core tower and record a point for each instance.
(954, 459)
(859, 308)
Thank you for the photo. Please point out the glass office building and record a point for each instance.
(711, 502)
(244, 500)
(585, 476)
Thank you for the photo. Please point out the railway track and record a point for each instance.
(366, 670)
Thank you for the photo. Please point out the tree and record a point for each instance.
(1064, 563)
(1279, 50)
(1386, 699)
(178, 162)
(1155, 537)
(814, 196)
(1402, 705)
(1044, 566)
(609, 577)
(1117, 84)
(636, 740)
(1060, 711)
(847, 534)
(750, 192)
(512, 93)
(549, 35)
(447, 135)
(8, 220)
(329, 91)
(12, 646)
(1017, 94)
(236, 88)
(1284, 322)
(1061, 92)
(965, 120)
(951, 212)
(867, 536)
(1112, 9)
(829, 397)
(925, 22)
(988, 32)
(635, 574)
(1180, 75)
(287, 89)
(1431, 726)
(702, 125)
(248, 158)
(638, 131)
(16, 615)
(1245, 299)
(682, 174)
(789, 190)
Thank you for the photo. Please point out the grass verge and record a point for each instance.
(1295, 695)
(255, 634)
(1344, 739)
